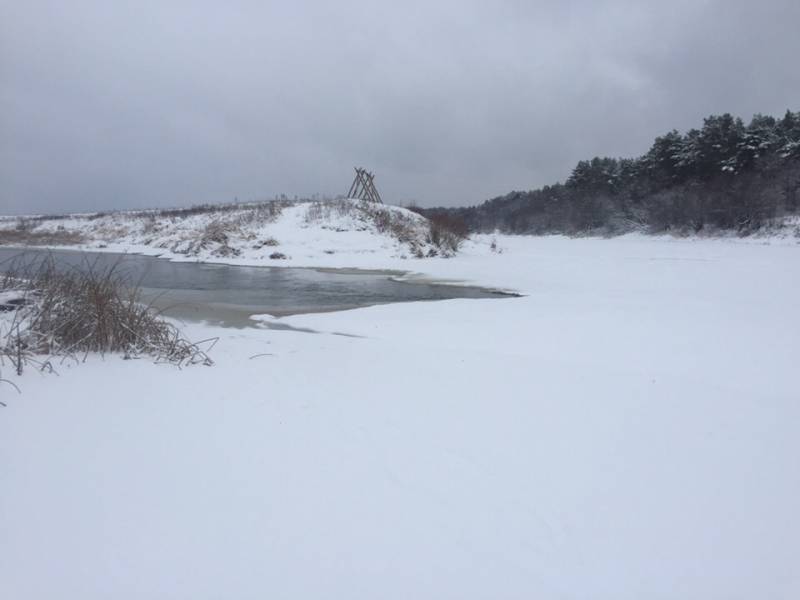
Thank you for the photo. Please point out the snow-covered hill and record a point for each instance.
(272, 232)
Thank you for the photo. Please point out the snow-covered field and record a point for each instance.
(627, 430)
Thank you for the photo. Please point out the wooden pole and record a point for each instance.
(363, 187)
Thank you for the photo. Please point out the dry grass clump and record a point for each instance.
(215, 235)
(268, 241)
(225, 229)
(432, 235)
(401, 226)
(325, 210)
(28, 236)
(48, 312)
(251, 212)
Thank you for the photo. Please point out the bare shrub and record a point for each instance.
(25, 225)
(71, 312)
(216, 231)
(150, 225)
(447, 232)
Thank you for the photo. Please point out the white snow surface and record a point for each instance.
(627, 430)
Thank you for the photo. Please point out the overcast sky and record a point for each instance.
(111, 104)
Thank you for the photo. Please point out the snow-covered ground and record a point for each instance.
(628, 429)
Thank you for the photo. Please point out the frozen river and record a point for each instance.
(230, 294)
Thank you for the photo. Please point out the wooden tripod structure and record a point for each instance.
(364, 188)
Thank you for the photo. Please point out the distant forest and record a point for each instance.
(723, 176)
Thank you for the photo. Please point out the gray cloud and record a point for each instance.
(131, 104)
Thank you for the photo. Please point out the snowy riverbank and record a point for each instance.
(271, 233)
(627, 429)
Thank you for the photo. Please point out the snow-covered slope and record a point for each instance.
(264, 233)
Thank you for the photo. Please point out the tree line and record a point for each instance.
(724, 176)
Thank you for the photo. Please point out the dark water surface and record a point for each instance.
(229, 294)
